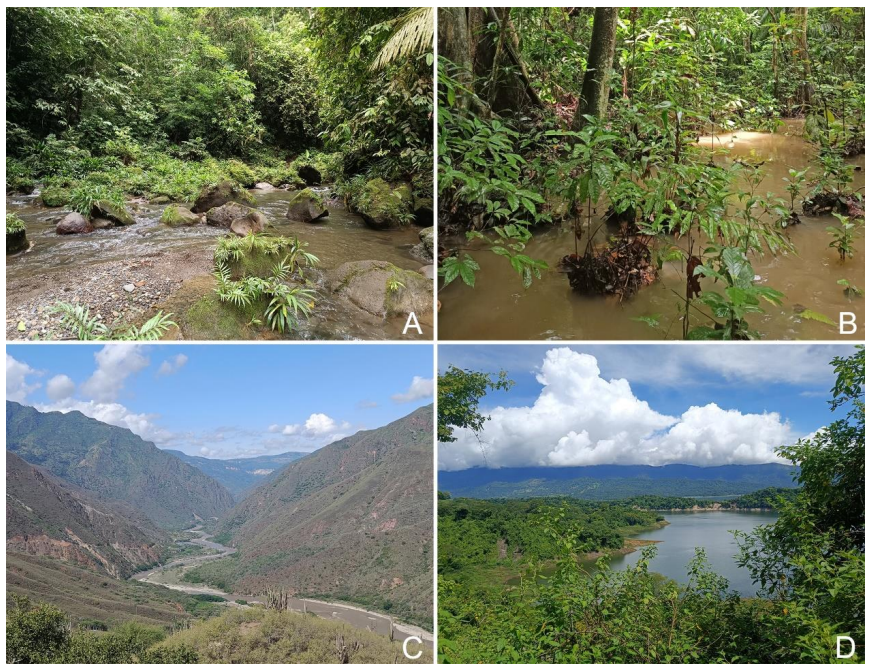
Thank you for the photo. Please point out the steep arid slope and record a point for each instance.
(46, 517)
(115, 464)
(353, 520)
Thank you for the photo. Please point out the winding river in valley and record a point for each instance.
(169, 576)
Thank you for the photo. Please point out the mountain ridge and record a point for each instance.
(241, 474)
(115, 464)
(352, 521)
(614, 481)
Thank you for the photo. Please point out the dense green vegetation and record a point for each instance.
(40, 634)
(475, 533)
(809, 566)
(768, 498)
(524, 144)
(103, 103)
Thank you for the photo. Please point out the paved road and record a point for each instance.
(355, 616)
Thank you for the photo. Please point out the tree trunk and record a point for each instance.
(455, 45)
(594, 98)
(805, 89)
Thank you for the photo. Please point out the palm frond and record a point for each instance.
(413, 34)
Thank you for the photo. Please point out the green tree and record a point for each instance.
(811, 560)
(459, 393)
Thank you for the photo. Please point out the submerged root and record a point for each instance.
(827, 202)
(621, 269)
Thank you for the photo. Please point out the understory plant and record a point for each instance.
(843, 236)
(78, 319)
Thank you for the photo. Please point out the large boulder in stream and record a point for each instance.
(223, 192)
(307, 206)
(383, 206)
(118, 215)
(382, 289)
(223, 215)
(310, 175)
(176, 215)
(73, 223)
(253, 222)
(424, 212)
(427, 240)
(16, 234)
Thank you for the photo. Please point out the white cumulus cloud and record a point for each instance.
(17, 384)
(580, 418)
(60, 387)
(420, 388)
(115, 363)
(317, 426)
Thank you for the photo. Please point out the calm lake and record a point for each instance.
(711, 530)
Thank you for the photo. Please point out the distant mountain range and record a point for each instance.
(353, 520)
(49, 518)
(116, 465)
(240, 474)
(604, 482)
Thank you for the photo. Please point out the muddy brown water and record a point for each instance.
(339, 238)
(499, 308)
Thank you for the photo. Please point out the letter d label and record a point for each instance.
(839, 640)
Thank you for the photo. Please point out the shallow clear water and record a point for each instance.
(339, 238)
(499, 308)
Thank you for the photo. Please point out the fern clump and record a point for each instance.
(85, 196)
(284, 302)
(77, 318)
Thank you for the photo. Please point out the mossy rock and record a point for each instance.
(107, 210)
(424, 212)
(219, 194)
(383, 206)
(224, 215)
(383, 290)
(54, 197)
(307, 206)
(16, 241)
(176, 215)
(20, 185)
(258, 264)
(212, 320)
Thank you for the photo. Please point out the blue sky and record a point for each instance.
(227, 400)
(703, 404)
